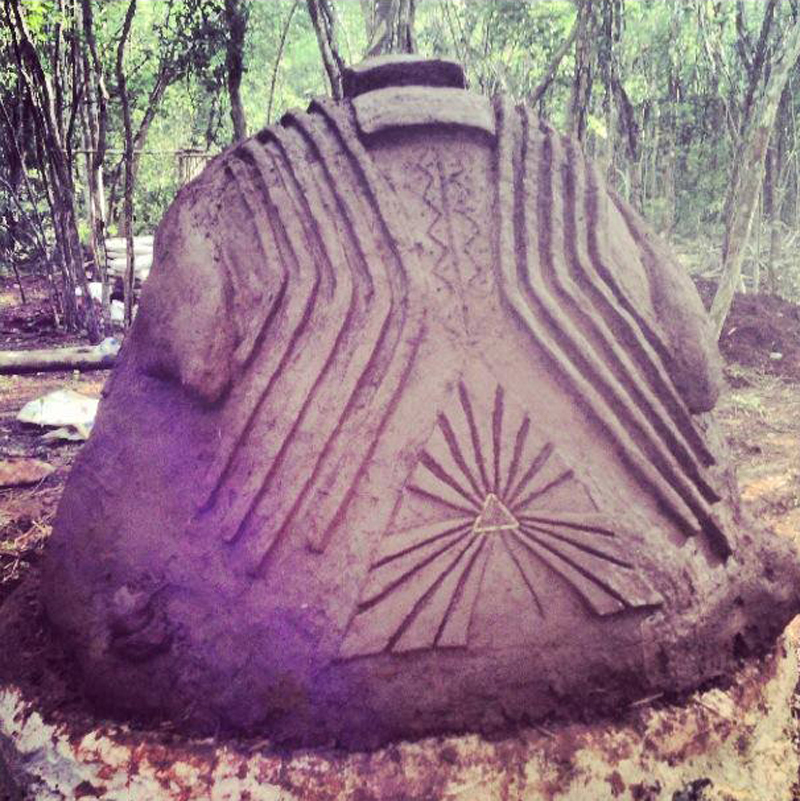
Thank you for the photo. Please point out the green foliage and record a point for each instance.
(680, 64)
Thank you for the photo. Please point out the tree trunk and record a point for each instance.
(768, 202)
(16, 362)
(668, 224)
(743, 195)
(754, 67)
(278, 57)
(552, 68)
(580, 98)
(774, 190)
(758, 221)
(671, 128)
(236, 19)
(128, 279)
(629, 131)
(390, 26)
(56, 163)
(324, 20)
(95, 123)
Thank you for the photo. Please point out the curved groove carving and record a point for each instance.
(652, 356)
(643, 379)
(262, 181)
(426, 576)
(345, 456)
(412, 417)
(614, 384)
(335, 221)
(531, 289)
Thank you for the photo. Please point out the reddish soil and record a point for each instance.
(30, 325)
(762, 331)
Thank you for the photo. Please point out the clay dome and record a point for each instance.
(412, 434)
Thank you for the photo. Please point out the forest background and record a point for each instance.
(690, 106)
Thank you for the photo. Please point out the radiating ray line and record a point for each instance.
(390, 588)
(497, 433)
(434, 467)
(568, 520)
(521, 570)
(458, 592)
(464, 527)
(455, 452)
(529, 529)
(557, 481)
(469, 513)
(538, 463)
(466, 405)
(415, 610)
(519, 446)
(574, 565)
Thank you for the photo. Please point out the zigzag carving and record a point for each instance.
(428, 166)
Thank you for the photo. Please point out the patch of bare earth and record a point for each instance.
(26, 513)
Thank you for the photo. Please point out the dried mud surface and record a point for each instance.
(759, 412)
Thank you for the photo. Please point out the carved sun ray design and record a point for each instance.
(477, 495)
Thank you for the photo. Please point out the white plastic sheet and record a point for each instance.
(70, 413)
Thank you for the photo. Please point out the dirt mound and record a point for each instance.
(762, 331)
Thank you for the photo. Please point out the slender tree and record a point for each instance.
(748, 177)
(236, 13)
(552, 68)
(278, 56)
(585, 64)
(122, 88)
(323, 17)
(389, 26)
(95, 129)
(56, 108)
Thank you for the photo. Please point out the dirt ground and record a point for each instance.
(762, 331)
(26, 513)
(759, 412)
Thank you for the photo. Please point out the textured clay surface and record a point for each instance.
(411, 435)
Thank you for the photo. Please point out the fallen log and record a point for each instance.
(83, 357)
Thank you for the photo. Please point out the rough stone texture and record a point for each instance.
(409, 436)
(734, 745)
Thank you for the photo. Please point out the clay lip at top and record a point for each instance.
(401, 70)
